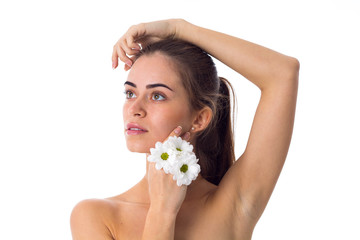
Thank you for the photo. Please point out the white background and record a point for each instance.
(61, 129)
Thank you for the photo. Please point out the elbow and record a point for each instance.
(288, 77)
(285, 76)
(291, 80)
(293, 70)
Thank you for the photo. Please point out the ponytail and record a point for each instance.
(216, 143)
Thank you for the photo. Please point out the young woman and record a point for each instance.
(173, 90)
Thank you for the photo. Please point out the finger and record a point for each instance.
(118, 53)
(186, 136)
(121, 50)
(146, 41)
(131, 43)
(126, 67)
(130, 49)
(122, 56)
(114, 58)
(151, 165)
(135, 32)
(176, 132)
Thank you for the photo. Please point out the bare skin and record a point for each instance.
(156, 208)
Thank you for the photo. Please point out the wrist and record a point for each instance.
(186, 31)
(180, 25)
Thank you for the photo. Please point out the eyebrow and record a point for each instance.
(149, 85)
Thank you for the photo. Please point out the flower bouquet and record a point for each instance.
(176, 157)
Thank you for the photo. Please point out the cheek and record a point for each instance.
(124, 111)
(169, 119)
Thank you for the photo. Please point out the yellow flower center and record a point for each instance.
(164, 156)
(184, 168)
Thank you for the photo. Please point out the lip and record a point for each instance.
(134, 129)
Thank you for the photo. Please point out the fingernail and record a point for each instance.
(129, 63)
(113, 65)
(187, 136)
(178, 130)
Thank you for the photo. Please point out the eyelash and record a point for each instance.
(127, 92)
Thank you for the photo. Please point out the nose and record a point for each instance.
(137, 109)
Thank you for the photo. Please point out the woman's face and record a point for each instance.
(156, 103)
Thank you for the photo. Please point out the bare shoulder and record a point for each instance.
(90, 219)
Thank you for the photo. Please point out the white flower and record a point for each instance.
(178, 146)
(176, 157)
(161, 156)
(186, 169)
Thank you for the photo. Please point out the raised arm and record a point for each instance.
(262, 66)
(255, 173)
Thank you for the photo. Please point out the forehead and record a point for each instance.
(154, 68)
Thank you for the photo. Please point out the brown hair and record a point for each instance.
(214, 145)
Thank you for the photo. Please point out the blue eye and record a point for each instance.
(129, 94)
(158, 97)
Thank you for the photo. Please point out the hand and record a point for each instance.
(139, 36)
(165, 196)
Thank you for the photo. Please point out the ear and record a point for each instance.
(202, 119)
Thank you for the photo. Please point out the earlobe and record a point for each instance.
(202, 119)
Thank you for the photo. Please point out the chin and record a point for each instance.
(138, 150)
(138, 146)
(143, 142)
